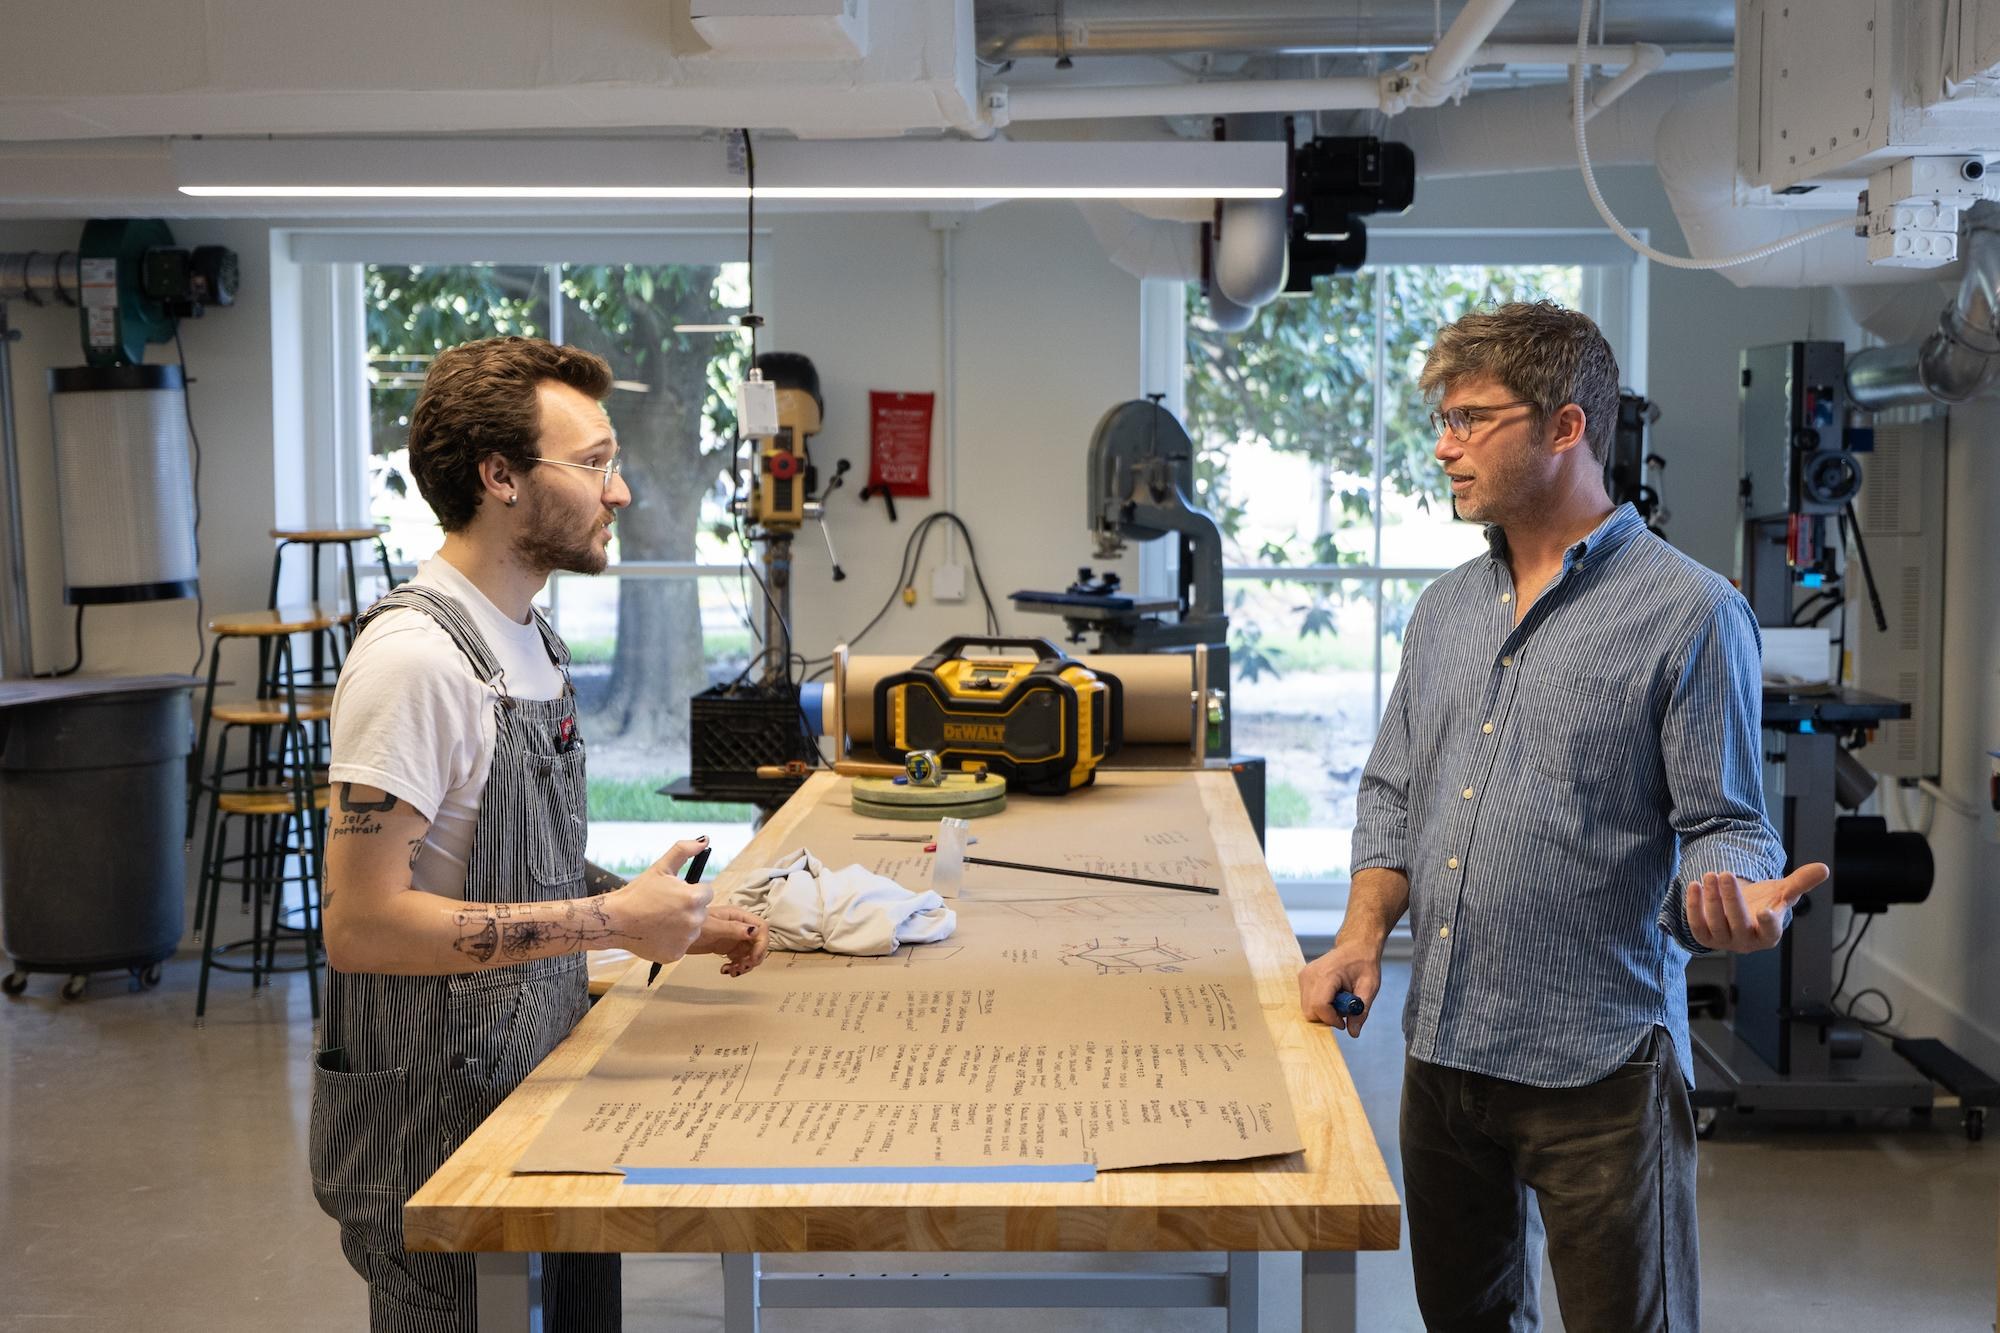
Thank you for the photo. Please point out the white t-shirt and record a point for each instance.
(412, 717)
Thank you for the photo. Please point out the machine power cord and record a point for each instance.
(913, 552)
(194, 440)
(76, 664)
(1888, 1008)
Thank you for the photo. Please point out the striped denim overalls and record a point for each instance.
(409, 1066)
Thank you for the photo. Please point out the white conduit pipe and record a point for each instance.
(1195, 99)
(1436, 78)
(1578, 120)
(1248, 96)
(1438, 73)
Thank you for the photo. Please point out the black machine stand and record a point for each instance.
(1785, 1047)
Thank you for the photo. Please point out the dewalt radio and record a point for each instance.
(1044, 723)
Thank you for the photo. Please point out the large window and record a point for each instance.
(667, 619)
(1315, 455)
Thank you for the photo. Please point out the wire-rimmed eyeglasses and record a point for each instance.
(611, 469)
(1460, 420)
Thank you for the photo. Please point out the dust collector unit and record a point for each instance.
(121, 436)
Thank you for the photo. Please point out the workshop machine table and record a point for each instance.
(1327, 1202)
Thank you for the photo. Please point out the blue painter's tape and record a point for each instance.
(1067, 1173)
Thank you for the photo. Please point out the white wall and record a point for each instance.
(1932, 959)
(1696, 325)
(1935, 960)
(1047, 341)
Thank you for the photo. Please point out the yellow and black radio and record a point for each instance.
(1043, 723)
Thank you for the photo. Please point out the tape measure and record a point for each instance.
(1044, 722)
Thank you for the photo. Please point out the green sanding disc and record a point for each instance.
(961, 796)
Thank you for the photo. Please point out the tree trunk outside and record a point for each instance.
(658, 660)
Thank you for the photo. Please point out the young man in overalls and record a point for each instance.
(458, 905)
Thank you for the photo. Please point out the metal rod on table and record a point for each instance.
(1091, 874)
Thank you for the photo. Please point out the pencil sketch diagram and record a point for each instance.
(1120, 955)
(1119, 907)
(909, 955)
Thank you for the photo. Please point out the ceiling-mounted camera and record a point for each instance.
(1334, 181)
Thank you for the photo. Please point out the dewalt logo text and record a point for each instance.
(974, 733)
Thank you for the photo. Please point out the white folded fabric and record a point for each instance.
(852, 910)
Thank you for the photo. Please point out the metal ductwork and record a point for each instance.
(1958, 362)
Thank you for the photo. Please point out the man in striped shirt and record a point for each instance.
(1565, 797)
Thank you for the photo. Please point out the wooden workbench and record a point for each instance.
(1327, 1202)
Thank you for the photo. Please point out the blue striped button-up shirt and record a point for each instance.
(1549, 788)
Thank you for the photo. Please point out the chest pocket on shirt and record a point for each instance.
(558, 806)
(1581, 728)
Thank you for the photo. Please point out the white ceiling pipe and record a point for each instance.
(1636, 61)
(1440, 74)
(1527, 129)
(1189, 99)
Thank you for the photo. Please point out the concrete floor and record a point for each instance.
(154, 1177)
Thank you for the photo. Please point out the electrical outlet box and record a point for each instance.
(948, 583)
(757, 408)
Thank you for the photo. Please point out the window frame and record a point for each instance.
(334, 361)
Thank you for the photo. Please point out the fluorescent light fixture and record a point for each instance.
(694, 169)
(464, 192)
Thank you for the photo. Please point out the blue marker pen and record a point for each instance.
(1347, 1004)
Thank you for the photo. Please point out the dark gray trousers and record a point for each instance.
(1611, 1165)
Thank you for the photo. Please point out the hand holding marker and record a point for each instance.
(693, 876)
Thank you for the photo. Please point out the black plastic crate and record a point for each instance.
(731, 732)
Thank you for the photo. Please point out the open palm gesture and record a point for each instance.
(1724, 912)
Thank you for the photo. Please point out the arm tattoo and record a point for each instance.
(520, 931)
(347, 801)
(481, 935)
(357, 818)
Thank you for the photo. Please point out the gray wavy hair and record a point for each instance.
(1542, 353)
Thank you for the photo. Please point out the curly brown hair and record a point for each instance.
(1540, 352)
(480, 398)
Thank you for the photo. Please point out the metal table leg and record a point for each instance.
(1244, 1268)
(1326, 1300)
(741, 1275)
(509, 1291)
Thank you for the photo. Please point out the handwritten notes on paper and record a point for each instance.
(1064, 1022)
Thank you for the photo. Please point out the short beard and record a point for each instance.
(548, 543)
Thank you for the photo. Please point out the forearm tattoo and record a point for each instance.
(517, 932)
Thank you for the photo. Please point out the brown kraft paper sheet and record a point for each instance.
(1065, 1021)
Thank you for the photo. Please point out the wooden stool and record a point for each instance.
(343, 541)
(280, 844)
(273, 797)
(278, 689)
